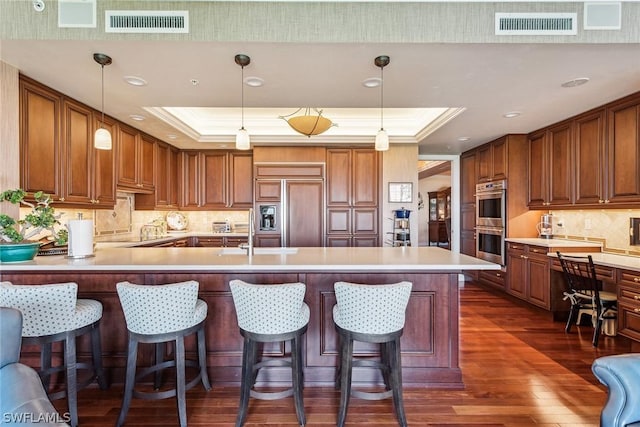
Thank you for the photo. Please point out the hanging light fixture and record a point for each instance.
(382, 139)
(243, 141)
(308, 124)
(102, 137)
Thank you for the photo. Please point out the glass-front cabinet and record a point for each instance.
(439, 217)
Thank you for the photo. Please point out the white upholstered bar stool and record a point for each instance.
(270, 313)
(158, 314)
(373, 314)
(52, 313)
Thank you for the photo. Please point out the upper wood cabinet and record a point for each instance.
(41, 152)
(352, 197)
(56, 149)
(550, 167)
(492, 161)
(165, 195)
(623, 151)
(217, 180)
(591, 160)
(136, 160)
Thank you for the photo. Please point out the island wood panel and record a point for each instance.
(429, 344)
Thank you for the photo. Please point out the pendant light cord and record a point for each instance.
(102, 122)
(381, 96)
(242, 96)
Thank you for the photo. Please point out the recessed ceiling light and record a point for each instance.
(195, 82)
(253, 81)
(575, 82)
(137, 117)
(372, 82)
(511, 114)
(463, 138)
(135, 81)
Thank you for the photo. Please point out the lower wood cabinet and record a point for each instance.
(528, 268)
(629, 304)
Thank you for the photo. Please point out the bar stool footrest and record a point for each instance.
(271, 395)
(368, 395)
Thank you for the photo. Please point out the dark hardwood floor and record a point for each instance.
(520, 369)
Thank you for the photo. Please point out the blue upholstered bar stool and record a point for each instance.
(53, 313)
(373, 314)
(270, 313)
(158, 314)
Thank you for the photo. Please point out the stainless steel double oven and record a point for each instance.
(491, 221)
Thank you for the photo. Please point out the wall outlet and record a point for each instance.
(587, 224)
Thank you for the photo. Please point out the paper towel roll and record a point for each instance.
(80, 238)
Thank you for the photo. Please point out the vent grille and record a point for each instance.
(532, 24)
(144, 21)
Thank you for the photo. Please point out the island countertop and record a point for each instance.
(380, 259)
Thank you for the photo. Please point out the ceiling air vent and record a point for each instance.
(146, 21)
(536, 24)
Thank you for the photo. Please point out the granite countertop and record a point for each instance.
(553, 243)
(391, 259)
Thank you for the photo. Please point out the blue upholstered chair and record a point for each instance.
(621, 374)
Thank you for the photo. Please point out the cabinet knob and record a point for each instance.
(636, 310)
(498, 275)
(600, 201)
(535, 251)
(636, 297)
(61, 199)
(606, 200)
(524, 257)
(636, 279)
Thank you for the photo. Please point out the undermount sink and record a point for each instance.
(258, 251)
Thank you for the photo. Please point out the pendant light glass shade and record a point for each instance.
(243, 141)
(102, 139)
(382, 140)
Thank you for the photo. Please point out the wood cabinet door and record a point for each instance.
(468, 179)
(499, 159)
(240, 180)
(517, 273)
(339, 221)
(339, 177)
(589, 158)
(163, 175)
(268, 190)
(214, 178)
(365, 175)
(305, 213)
(147, 162)
(77, 138)
(468, 243)
(560, 161)
(41, 154)
(174, 178)
(483, 159)
(127, 170)
(365, 221)
(537, 170)
(624, 152)
(538, 281)
(190, 179)
(104, 166)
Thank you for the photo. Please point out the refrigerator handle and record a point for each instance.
(283, 214)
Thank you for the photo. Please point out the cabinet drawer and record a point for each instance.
(515, 247)
(538, 251)
(629, 295)
(629, 278)
(216, 242)
(493, 278)
(629, 320)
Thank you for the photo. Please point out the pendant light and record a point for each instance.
(243, 141)
(102, 137)
(382, 139)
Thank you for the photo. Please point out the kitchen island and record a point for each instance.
(429, 345)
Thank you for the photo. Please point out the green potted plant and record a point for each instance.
(15, 233)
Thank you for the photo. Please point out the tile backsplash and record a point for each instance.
(609, 226)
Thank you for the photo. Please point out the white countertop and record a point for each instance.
(610, 260)
(427, 259)
(127, 241)
(553, 243)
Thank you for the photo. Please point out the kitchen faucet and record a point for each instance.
(249, 245)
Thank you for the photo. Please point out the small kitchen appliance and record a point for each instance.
(545, 227)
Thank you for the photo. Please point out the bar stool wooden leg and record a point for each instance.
(159, 358)
(296, 376)
(130, 379)
(45, 365)
(396, 380)
(246, 379)
(202, 359)
(72, 377)
(96, 356)
(346, 363)
(181, 381)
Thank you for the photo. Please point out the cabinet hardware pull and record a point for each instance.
(600, 201)
(636, 297)
(636, 279)
(606, 200)
(498, 275)
(535, 251)
(61, 199)
(636, 310)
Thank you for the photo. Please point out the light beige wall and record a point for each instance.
(400, 164)
(9, 135)
(609, 226)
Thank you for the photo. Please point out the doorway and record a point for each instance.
(439, 201)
